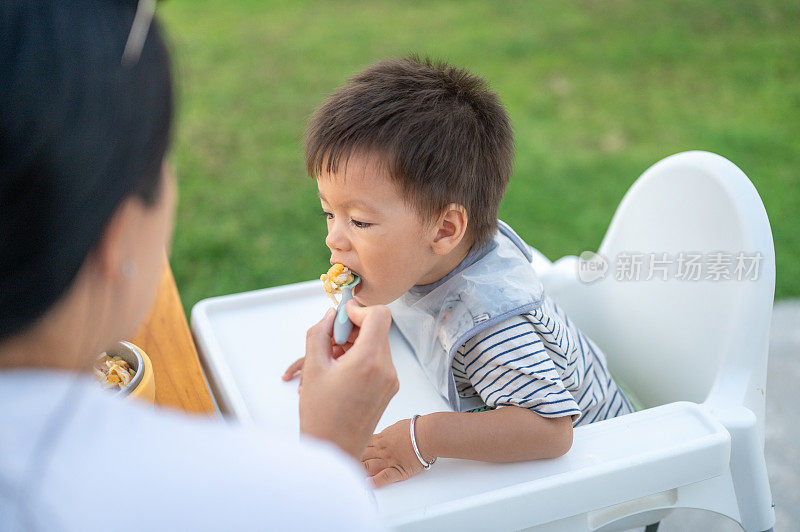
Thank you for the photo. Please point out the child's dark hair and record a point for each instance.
(442, 134)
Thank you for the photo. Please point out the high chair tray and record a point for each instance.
(247, 340)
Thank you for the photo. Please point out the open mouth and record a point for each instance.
(357, 288)
(349, 268)
(331, 282)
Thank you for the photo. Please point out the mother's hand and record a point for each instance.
(343, 402)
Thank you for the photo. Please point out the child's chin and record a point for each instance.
(366, 299)
(365, 296)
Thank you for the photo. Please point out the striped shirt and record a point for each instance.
(540, 361)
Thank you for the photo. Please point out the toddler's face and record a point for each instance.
(372, 231)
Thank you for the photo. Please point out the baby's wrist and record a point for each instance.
(424, 433)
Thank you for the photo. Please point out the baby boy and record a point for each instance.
(412, 158)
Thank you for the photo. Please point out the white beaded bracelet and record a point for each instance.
(426, 465)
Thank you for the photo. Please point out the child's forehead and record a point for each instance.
(358, 180)
(360, 166)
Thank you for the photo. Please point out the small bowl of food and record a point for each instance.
(127, 369)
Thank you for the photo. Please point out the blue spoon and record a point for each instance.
(342, 326)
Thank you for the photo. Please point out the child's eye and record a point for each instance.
(327, 215)
(360, 225)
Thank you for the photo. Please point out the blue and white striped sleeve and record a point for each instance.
(508, 365)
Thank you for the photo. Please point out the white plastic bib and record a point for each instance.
(500, 284)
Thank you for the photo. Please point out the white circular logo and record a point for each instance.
(591, 267)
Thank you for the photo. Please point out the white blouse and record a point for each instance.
(76, 457)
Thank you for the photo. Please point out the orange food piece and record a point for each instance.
(337, 276)
(113, 371)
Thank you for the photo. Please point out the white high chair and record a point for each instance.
(701, 341)
(693, 352)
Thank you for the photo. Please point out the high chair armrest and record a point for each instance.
(611, 461)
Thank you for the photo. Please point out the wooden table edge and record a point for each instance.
(167, 340)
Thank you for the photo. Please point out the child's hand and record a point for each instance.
(294, 369)
(389, 456)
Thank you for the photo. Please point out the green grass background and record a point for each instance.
(597, 92)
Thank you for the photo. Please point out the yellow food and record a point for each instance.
(113, 371)
(338, 275)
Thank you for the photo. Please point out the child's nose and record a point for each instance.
(336, 239)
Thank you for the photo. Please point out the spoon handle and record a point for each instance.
(342, 326)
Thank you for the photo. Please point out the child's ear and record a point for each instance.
(450, 229)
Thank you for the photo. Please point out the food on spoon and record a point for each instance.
(113, 371)
(338, 275)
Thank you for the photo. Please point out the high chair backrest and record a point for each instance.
(681, 339)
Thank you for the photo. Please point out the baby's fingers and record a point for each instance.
(373, 466)
(389, 475)
(292, 370)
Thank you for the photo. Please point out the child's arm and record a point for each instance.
(507, 434)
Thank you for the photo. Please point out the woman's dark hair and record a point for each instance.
(79, 132)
